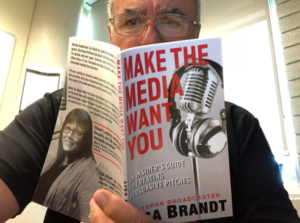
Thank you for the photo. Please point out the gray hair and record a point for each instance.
(110, 9)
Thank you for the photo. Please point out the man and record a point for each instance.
(257, 190)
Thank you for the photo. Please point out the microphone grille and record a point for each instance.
(195, 85)
(200, 88)
(211, 94)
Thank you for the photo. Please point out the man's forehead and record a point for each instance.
(152, 6)
(135, 10)
(160, 10)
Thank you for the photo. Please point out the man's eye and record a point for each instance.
(132, 22)
(171, 22)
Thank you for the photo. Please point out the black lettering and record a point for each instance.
(193, 210)
(183, 210)
(222, 202)
(156, 215)
(213, 206)
(172, 213)
(203, 208)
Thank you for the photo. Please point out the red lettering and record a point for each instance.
(146, 143)
(140, 92)
(143, 119)
(148, 62)
(189, 56)
(130, 97)
(160, 60)
(165, 87)
(159, 138)
(131, 122)
(154, 81)
(128, 68)
(175, 51)
(175, 86)
(155, 114)
(138, 66)
(131, 148)
(201, 55)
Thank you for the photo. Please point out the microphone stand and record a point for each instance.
(189, 123)
(195, 173)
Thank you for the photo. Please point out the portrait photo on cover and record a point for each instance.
(72, 174)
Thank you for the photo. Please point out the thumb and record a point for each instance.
(119, 210)
(97, 215)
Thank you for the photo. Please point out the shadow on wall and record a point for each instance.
(99, 19)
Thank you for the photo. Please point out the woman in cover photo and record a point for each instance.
(70, 180)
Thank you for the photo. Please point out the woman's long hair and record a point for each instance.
(83, 120)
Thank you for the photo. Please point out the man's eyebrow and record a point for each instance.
(135, 10)
(165, 10)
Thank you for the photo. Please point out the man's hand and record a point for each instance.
(8, 203)
(109, 208)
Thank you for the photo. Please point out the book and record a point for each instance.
(147, 124)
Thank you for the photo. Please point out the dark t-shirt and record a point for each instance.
(258, 194)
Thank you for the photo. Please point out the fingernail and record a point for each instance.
(101, 198)
(93, 205)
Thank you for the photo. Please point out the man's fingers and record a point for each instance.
(97, 215)
(118, 210)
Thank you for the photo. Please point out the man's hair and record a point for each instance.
(110, 9)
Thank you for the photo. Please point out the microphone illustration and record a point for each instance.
(204, 137)
(199, 90)
(198, 136)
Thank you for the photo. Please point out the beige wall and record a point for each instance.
(53, 23)
(99, 17)
(15, 18)
(288, 12)
(46, 42)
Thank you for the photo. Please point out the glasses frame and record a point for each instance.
(72, 132)
(111, 20)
